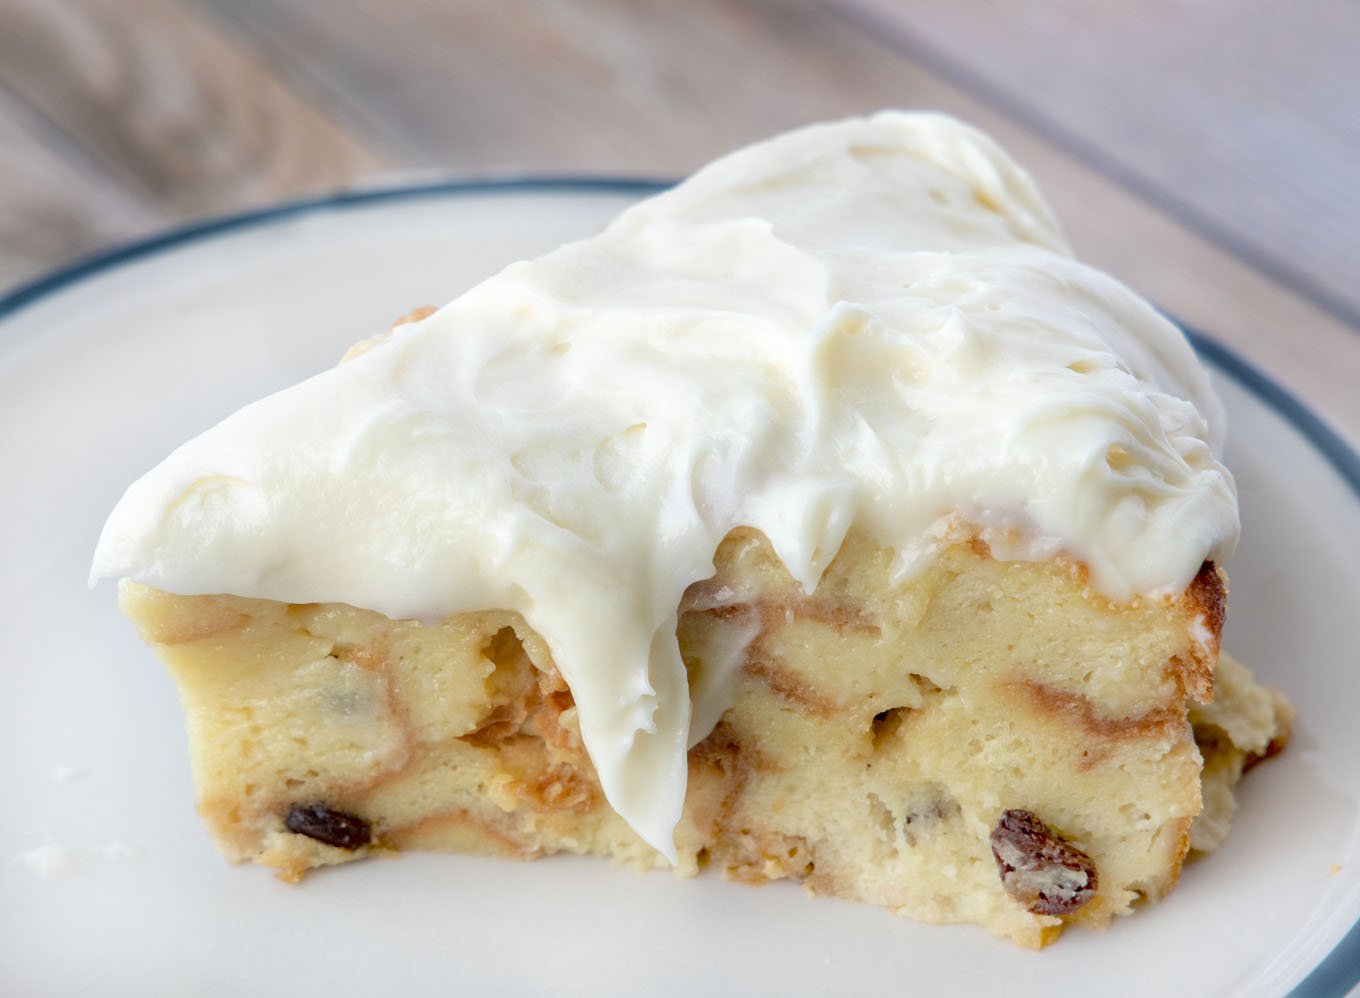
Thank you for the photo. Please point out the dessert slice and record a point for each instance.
(992, 742)
(820, 518)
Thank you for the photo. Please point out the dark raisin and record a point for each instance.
(1040, 870)
(325, 824)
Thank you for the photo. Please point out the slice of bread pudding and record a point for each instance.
(992, 742)
(820, 518)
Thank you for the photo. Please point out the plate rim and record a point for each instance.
(1335, 974)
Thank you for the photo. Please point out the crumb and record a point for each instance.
(1336, 868)
(49, 861)
(119, 850)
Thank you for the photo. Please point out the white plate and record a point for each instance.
(105, 367)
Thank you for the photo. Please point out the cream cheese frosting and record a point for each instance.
(873, 322)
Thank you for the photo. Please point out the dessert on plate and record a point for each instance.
(820, 518)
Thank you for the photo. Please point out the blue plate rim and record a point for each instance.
(1335, 975)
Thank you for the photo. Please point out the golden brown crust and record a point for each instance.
(1077, 710)
(1208, 595)
(719, 770)
(784, 683)
(821, 611)
(1205, 600)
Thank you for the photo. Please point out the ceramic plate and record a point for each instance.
(110, 885)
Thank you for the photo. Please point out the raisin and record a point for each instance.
(325, 824)
(1040, 870)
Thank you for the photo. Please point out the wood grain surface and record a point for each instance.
(168, 107)
(1206, 153)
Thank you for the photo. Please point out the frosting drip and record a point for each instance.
(874, 322)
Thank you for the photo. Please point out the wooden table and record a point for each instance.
(1207, 153)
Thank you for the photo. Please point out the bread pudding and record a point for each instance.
(820, 518)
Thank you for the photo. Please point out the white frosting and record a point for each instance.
(872, 322)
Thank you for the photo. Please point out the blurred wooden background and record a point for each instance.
(1206, 151)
